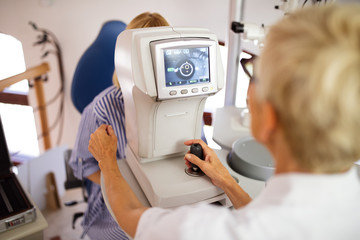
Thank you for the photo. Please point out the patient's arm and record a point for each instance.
(125, 205)
(95, 177)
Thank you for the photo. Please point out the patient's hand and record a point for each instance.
(103, 146)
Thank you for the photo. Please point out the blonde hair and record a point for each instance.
(143, 20)
(147, 19)
(310, 71)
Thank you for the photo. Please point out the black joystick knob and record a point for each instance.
(196, 149)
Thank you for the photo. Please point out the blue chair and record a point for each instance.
(96, 66)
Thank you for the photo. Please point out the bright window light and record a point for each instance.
(12, 62)
(217, 101)
(18, 120)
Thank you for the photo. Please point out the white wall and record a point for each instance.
(76, 24)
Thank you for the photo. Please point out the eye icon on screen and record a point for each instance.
(186, 69)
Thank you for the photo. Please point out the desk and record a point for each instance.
(29, 231)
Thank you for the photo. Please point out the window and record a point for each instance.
(18, 120)
(217, 101)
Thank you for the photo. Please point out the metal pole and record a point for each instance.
(234, 50)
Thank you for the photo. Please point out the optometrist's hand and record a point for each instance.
(211, 165)
(218, 174)
(103, 146)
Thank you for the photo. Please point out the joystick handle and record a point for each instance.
(196, 149)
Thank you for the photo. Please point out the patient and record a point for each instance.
(106, 108)
(304, 106)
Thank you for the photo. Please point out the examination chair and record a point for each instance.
(92, 75)
(96, 66)
(73, 182)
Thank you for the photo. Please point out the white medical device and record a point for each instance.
(166, 74)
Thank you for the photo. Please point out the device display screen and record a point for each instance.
(185, 66)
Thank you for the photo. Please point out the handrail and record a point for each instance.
(35, 73)
(30, 73)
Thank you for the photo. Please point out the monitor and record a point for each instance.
(184, 67)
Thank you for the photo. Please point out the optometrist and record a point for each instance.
(304, 107)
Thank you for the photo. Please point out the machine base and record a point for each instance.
(166, 184)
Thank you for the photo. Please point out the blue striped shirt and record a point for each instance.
(106, 108)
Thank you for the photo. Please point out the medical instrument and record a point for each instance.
(251, 159)
(230, 132)
(166, 74)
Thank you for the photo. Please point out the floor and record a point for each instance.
(60, 221)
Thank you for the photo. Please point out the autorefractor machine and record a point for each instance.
(166, 75)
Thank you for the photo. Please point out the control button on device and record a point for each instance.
(205, 89)
(172, 93)
(194, 90)
(184, 91)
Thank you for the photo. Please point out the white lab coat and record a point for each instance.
(292, 206)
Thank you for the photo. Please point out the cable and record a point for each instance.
(47, 37)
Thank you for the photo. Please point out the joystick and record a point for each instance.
(194, 170)
(196, 149)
